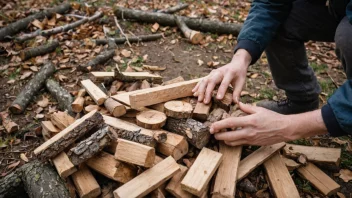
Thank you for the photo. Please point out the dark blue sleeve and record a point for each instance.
(337, 114)
(349, 11)
(264, 19)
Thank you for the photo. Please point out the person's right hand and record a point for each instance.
(233, 73)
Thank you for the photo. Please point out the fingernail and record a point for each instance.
(219, 96)
(236, 99)
(211, 130)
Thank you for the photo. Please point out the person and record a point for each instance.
(280, 28)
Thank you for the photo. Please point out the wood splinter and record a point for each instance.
(151, 119)
(194, 37)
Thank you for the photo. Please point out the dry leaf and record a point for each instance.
(255, 75)
(346, 175)
(62, 77)
(11, 81)
(13, 165)
(39, 109)
(155, 27)
(34, 68)
(200, 62)
(39, 116)
(340, 195)
(126, 53)
(38, 24)
(145, 58)
(339, 141)
(23, 157)
(154, 68)
(44, 102)
(26, 74)
(173, 41)
(52, 21)
(117, 58)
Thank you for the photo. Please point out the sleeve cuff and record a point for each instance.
(251, 47)
(331, 123)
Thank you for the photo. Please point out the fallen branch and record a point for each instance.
(121, 31)
(21, 24)
(174, 9)
(203, 25)
(62, 96)
(57, 30)
(9, 125)
(137, 76)
(194, 37)
(32, 87)
(38, 51)
(133, 39)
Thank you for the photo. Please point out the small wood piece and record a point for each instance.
(8, 124)
(174, 80)
(149, 180)
(202, 170)
(94, 91)
(90, 108)
(100, 59)
(115, 108)
(61, 120)
(255, 159)
(174, 186)
(147, 97)
(135, 76)
(318, 179)
(133, 39)
(59, 142)
(105, 164)
(194, 37)
(48, 130)
(77, 105)
(290, 164)
(225, 103)
(279, 178)
(151, 119)
(225, 181)
(86, 185)
(145, 84)
(102, 76)
(178, 109)
(63, 165)
(62, 96)
(38, 51)
(314, 153)
(158, 107)
(31, 88)
(135, 153)
(201, 111)
(175, 146)
(88, 101)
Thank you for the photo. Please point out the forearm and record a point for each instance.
(306, 125)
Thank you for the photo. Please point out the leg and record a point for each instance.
(343, 41)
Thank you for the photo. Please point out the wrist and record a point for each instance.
(243, 56)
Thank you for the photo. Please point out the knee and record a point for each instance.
(343, 38)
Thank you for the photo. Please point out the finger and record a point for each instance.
(231, 135)
(209, 91)
(223, 86)
(196, 87)
(248, 108)
(238, 88)
(236, 143)
(232, 122)
(201, 89)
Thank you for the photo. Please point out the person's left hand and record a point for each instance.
(260, 127)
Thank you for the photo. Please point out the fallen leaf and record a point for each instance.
(340, 195)
(200, 62)
(215, 57)
(173, 41)
(339, 141)
(34, 68)
(23, 157)
(39, 109)
(52, 21)
(26, 74)
(126, 53)
(155, 27)
(44, 102)
(346, 175)
(39, 116)
(11, 81)
(154, 68)
(145, 58)
(13, 165)
(255, 75)
(117, 58)
(38, 24)
(62, 78)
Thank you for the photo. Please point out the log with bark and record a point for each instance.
(135, 136)
(62, 96)
(36, 179)
(38, 51)
(31, 88)
(175, 8)
(194, 37)
(21, 24)
(9, 125)
(137, 76)
(59, 29)
(133, 39)
(204, 25)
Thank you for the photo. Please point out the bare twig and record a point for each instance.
(332, 80)
(118, 25)
(76, 16)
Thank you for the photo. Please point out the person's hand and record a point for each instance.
(261, 127)
(233, 73)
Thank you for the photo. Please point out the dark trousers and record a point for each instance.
(308, 20)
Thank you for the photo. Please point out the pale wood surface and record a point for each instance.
(63, 165)
(77, 105)
(257, 158)
(201, 111)
(151, 119)
(48, 129)
(174, 80)
(202, 170)
(174, 185)
(134, 153)
(61, 119)
(94, 91)
(225, 181)
(115, 108)
(318, 179)
(280, 179)
(124, 98)
(178, 109)
(160, 94)
(149, 180)
(90, 108)
(314, 153)
(85, 183)
(175, 145)
(290, 164)
(158, 107)
(9, 125)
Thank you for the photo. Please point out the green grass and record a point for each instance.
(266, 93)
(318, 68)
(15, 73)
(327, 86)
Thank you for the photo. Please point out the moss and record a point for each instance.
(304, 142)
(266, 93)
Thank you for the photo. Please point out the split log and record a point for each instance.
(38, 51)
(61, 120)
(225, 103)
(86, 185)
(174, 80)
(102, 76)
(105, 164)
(94, 91)
(202, 170)
(137, 76)
(16, 27)
(59, 142)
(31, 88)
(63, 165)
(201, 111)
(48, 130)
(8, 124)
(175, 8)
(77, 105)
(178, 109)
(59, 29)
(133, 39)
(63, 97)
(151, 119)
(194, 37)
(314, 153)
(90, 146)
(174, 186)
(279, 178)
(90, 108)
(135, 153)
(290, 164)
(37, 179)
(158, 107)
(175, 146)
(115, 108)
(318, 179)
(145, 84)
(199, 24)
(149, 180)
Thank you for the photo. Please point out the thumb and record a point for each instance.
(250, 109)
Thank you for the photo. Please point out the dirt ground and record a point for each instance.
(180, 59)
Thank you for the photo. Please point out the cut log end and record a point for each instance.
(196, 37)
(178, 109)
(151, 119)
(16, 109)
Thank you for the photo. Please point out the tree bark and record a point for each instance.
(38, 51)
(199, 24)
(175, 8)
(37, 179)
(90, 146)
(57, 30)
(134, 39)
(31, 88)
(63, 97)
(135, 136)
(21, 24)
